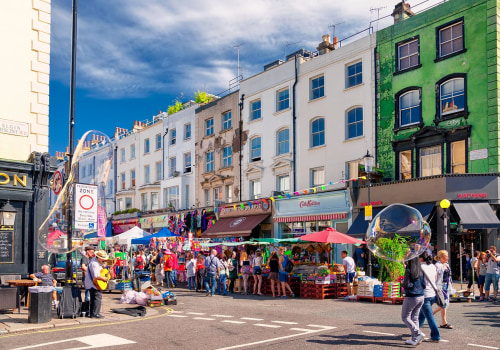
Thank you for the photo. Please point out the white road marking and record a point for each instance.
(177, 312)
(252, 319)
(319, 326)
(284, 322)
(177, 316)
(222, 316)
(235, 322)
(378, 333)
(196, 313)
(483, 346)
(204, 318)
(303, 330)
(442, 341)
(93, 341)
(324, 328)
(266, 325)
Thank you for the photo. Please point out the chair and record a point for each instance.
(9, 297)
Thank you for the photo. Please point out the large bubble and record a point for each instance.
(91, 165)
(398, 233)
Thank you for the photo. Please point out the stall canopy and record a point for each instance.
(235, 226)
(476, 215)
(164, 232)
(330, 235)
(126, 237)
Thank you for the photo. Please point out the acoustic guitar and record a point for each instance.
(99, 284)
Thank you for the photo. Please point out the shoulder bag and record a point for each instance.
(439, 293)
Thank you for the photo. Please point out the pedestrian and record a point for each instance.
(274, 267)
(481, 267)
(245, 270)
(212, 265)
(283, 275)
(233, 271)
(359, 255)
(94, 272)
(175, 267)
(200, 272)
(443, 282)
(223, 275)
(257, 272)
(191, 270)
(139, 262)
(168, 263)
(430, 273)
(472, 269)
(350, 271)
(159, 269)
(152, 266)
(84, 263)
(492, 274)
(414, 299)
(46, 279)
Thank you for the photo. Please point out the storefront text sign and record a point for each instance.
(472, 195)
(14, 180)
(14, 128)
(308, 203)
(364, 204)
(332, 202)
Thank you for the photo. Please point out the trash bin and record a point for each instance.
(40, 309)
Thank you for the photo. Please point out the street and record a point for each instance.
(240, 322)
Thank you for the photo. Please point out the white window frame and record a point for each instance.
(227, 157)
(132, 151)
(323, 131)
(172, 166)
(254, 111)
(284, 143)
(410, 108)
(158, 171)
(187, 162)
(452, 39)
(158, 141)
(435, 159)
(132, 178)
(209, 161)
(356, 122)
(347, 76)
(147, 175)
(253, 156)
(315, 173)
(453, 96)
(187, 131)
(146, 146)
(282, 104)
(319, 88)
(409, 55)
(226, 120)
(173, 137)
(280, 182)
(209, 127)
(255, 185)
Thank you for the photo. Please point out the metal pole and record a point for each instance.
(472, 255)
(369, 266)
(445, 222)
(69, 262)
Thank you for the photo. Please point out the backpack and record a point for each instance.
(169, 261)
(289, 265)
(139, 262)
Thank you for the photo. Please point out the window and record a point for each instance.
(282, 142)
(128, 203)
(317, 177)
(405, 165)
(229, 193)
(207, 197)
(217, 195)
(209, 127)
(146, 146)
(158, 171)
(91, 170)
(186, 197)
(408, 55)
(352, 169)
(318, 132)
(458, 156)
(123, 155)
(283, 183)
(84, 171)
(187, 162)
(255, 110)
(255, 189)
(409, 106)
(187, 131)
(450, 39)
(355, 123)
(120, 204)
(123, 181)
(317, 87)
(171, 195)
(110, 187)
(226, 120)
(354, 74)
(255, 152)
(146, 175)
(209, 161)
(154, 201)
(132, 178)
(282, 99)
(452, 96)
(227, 157)
(172, 166)
(430, 161)
(132, 151)
(144, 201)
(158, 143)
(173, 137)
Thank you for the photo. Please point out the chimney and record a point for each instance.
(137, 126)
(401, 11)
(325, 46)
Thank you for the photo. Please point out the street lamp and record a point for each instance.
(368, 162)
(445, 204)
(7, 214)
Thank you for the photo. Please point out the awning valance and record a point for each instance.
(240, 226)
(476, 215)
(316, 217)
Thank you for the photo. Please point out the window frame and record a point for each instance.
(253, 111)
(278, 183)
(123, 178)
(132, 178)
(252, 158)
(347, 124)
(172, 166)
(407, 41)
(252, 194)
(311, 133)
(320, 88)
(418, 154)
(159, 171)
(227, 159)
(132, 151)
(209, 169)
(398, 163)
(462, 113)
(186, 131)
(158, 141)
(147, 146)
(347, 86)
(438, 43)
(397, 107)
(209, 129)
(186, 170)
(123, 155)
(226, 123)
(280, 143)
(173, 137)
(147, 174)
(279, 101)
(311, 176)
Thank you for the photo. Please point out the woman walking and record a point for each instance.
(245, 270)
(274, 266)
(283, 275)
(257, 272)
(430, 274)
(223, 274)
(200, 272)
(191, 270)
(481, 266)
(233, 271)
(414, 299)
(444, 282)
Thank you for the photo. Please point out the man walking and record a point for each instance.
(84, 263)
(94, 272)
(492, 273)
(350, 270)
(212, 265)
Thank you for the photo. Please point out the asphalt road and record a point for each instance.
(244, 322)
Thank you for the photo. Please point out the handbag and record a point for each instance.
(440, 301)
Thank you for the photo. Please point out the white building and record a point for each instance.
(178, 181)
(139, 165)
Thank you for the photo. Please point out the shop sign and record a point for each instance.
(364, 204)
(472, 195)
(308, 203)
(332, 202)
(14, 180)
(478, 154)
(257, 208)
(85, 206)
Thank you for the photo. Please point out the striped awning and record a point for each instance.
(316, 217)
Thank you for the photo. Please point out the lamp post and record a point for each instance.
(7, 214)
(368, 162)
(445, 204)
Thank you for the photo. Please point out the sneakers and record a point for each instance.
(415, 341)
(55, 303)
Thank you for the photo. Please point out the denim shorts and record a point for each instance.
(349, 277)
(480, 280)
(491, 278)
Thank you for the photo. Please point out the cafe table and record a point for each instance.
(23, 283)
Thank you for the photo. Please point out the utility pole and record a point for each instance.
(333, 26)
(237, 46)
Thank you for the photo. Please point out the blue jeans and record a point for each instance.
(173, 276)
(210, 282)
(426, 313)
(222, 279)
(191, 282)
(168, 279)
(491, 278)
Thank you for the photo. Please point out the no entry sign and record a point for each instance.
(85, 207)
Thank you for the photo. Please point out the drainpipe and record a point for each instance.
(294, 119)
(242, 98)
(376, 104)
(115, 164)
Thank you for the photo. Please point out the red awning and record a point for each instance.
(120, 226)
(234, 227)
(316, 217)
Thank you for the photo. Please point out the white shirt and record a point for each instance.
(431, 271)
(93, 269)
(492, 266)
(349, 263)
(191, 268)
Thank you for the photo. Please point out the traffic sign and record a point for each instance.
(368, 212)
(57, 182)
(85, 206)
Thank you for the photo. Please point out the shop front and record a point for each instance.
(124, 222)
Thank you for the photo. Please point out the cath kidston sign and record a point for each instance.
(85, 207)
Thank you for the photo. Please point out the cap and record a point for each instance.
(89, 247)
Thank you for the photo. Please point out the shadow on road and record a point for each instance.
(354, 339)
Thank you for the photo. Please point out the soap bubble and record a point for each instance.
(398, 233)
(94, 153)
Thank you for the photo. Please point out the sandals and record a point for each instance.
(447, 326)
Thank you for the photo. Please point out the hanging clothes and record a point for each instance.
(203, 221)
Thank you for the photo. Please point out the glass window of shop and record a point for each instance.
(171, 195)
(128, 203)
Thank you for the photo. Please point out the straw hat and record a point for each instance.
(101, 254)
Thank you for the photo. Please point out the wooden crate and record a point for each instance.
(385, 299)
(366, 298)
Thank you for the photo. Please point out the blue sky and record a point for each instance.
(135, 57)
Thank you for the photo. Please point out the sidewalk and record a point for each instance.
(18, 322)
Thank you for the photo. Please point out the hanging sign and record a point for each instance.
(368, 212)
(85, 207)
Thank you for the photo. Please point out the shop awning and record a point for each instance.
(240, 226)
(316, 217)
(476, 215)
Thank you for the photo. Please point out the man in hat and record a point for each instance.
(84, 263)
(94, 272)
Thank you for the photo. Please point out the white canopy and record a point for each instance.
(128, 236)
